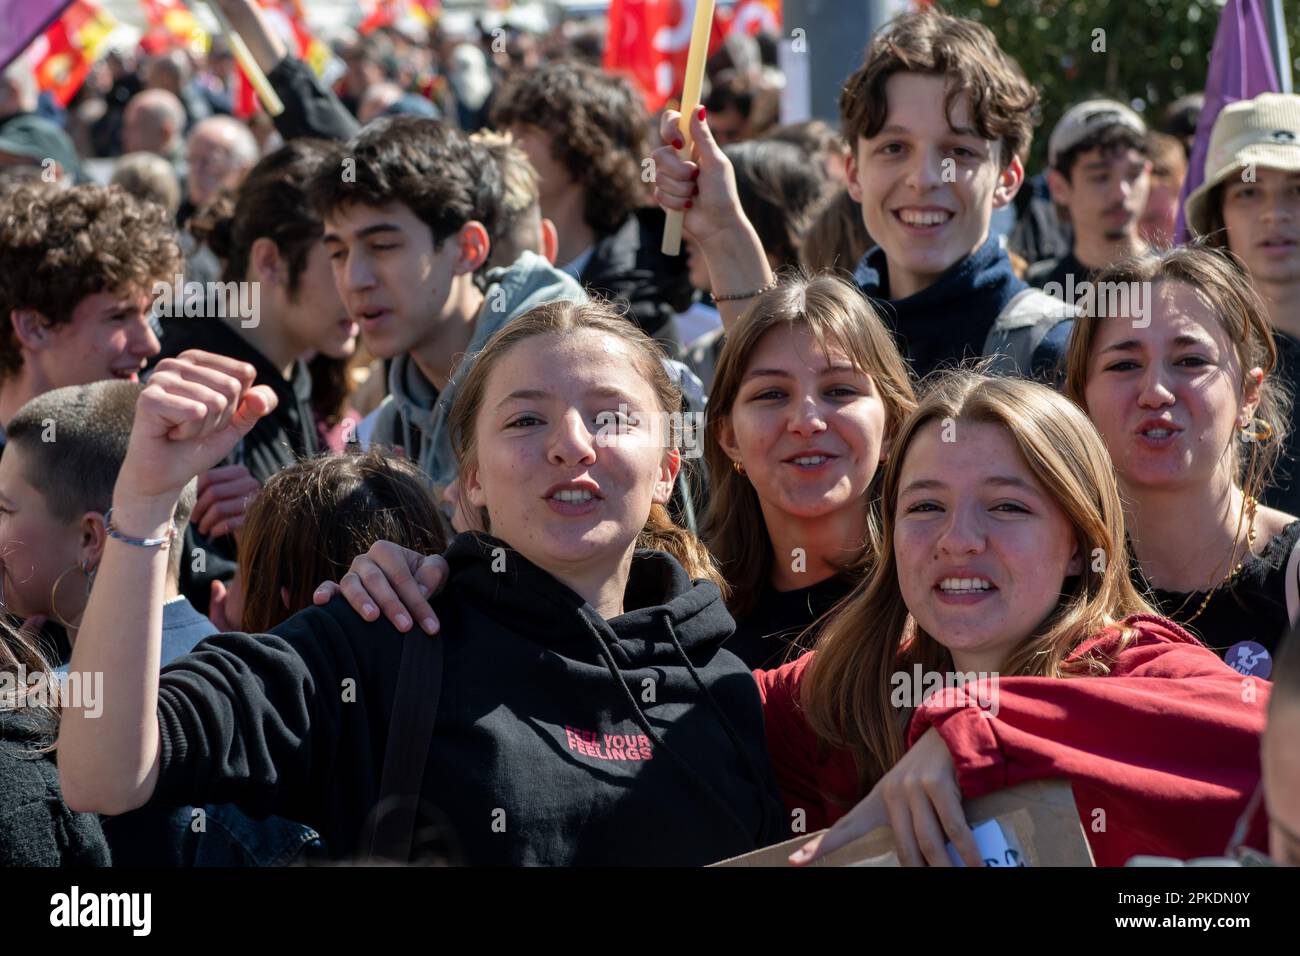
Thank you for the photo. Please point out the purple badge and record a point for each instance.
(1250, 658)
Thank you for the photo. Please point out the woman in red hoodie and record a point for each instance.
(1003, 559)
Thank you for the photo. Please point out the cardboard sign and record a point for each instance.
(1034, 824)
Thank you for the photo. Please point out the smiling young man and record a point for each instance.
(938, 121)
(1101, 176)
(409, 207)
(77, 269)
(1249, 204)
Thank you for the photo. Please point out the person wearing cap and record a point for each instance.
(1099, 176)
(30, 140)
(1249, 205)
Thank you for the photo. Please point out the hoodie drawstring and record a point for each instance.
(602, 649)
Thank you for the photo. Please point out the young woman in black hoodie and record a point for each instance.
(588, 712)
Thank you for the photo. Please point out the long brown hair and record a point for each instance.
(1243, 316)
(847, 691)
(837, 316)
(567, 318)
(311, 519)
(21, 654)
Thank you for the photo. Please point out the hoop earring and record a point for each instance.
(1256, 430)
(54, 607)
(740, 469)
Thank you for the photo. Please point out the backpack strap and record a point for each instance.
(410, 732)
(1292, 584)
(1020, 327)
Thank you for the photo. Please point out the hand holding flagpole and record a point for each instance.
(700, 32)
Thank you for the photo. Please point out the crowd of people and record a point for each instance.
(373, 487)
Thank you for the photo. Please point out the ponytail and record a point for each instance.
(662, 534)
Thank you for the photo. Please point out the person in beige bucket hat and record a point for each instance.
(1263, 132)
(1249, 205)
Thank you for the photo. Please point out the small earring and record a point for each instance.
(1256, 430)
(740, 469)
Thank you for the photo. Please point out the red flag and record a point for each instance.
(649, 40)
(64, 53)
(755, 16)
(171, 24)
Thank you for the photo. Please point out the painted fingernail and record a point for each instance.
(678, 143)
(695, 173)
(402, 621)
(689, 204)
(703, 112)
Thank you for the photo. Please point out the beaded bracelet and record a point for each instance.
(162, 542)
(745, 295)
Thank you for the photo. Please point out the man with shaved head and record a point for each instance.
(154, 123)
(219, 151)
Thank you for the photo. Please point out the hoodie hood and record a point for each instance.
(661, 602)
(415, 413)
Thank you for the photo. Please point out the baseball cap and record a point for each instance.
(1083, 119)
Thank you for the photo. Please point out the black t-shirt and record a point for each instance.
(770, 634)
(1245, 622)
(1284, 491)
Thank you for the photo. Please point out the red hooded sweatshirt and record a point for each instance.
(1167, 744)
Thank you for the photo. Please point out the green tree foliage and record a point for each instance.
(1150, 51)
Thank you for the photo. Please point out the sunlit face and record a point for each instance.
(927, 188)
(983, 550)
(1106, 193)
(808, 427)
(1168, 398)
(315, 314)
(109, 337)
(1262, 219)
(35, 547)
(562, 485)
(392, 280)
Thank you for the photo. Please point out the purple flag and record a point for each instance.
(22, 21)
(1241, 67)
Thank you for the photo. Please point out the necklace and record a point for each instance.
(1249, 510)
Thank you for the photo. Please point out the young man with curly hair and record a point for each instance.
(585, 132)
(77, 270)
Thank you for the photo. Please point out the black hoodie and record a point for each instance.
(561, 738)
